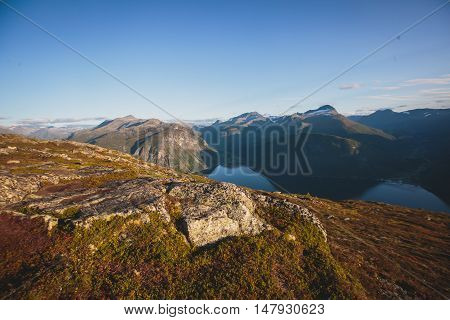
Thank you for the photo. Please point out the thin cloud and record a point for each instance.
(420, 96)
(392, 97)
(438, 92)
(389, 88)
(421, 81)
(402, 108)
(350, 86)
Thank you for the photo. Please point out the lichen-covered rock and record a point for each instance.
(207, 212)
(214, 211)
(137, 196)
(15, 188)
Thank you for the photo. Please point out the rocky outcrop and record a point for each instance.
(215, 211)
(79, 183)
(135, 196)
(204, 212)
(14, 188)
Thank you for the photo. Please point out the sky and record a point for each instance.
(216, 59)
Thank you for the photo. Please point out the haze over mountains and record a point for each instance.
(43, 132)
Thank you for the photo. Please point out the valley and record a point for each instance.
(331, 148)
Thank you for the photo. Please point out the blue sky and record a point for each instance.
(207, 59)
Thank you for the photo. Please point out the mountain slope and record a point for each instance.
(324, 120)
(41, 132)
(53, 133)
(4, 130)
(167, 144)
(423, 138)
(79, 221)
(413, 123)
(335, 146)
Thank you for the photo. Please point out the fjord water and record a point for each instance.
(391, 192)
(242, 176)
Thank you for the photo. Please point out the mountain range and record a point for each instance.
(324, 120)
(408, 146)
(43, 132)
(335, 145)
(112, 212)
(383, 145)
(422, 144)
(412, 123)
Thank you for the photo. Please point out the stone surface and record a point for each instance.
(213, 211)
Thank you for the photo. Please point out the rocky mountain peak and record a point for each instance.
(326, 109)
(168, 144)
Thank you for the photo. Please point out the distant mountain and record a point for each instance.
(386, 145)
(336, 146)
(418, 122)
(167, 144)
(248, 119)
(23, 130)
(324, 120)
(4, 130)
(199, 123)
(423, 141)
(53, 133)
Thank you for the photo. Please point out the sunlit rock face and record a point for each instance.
(215, 211)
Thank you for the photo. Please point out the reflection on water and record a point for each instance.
(337, 189)
(406, 195)
(243, 176)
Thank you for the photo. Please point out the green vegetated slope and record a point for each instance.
(123, 258)
(78, 221)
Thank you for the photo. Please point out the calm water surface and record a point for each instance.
(337, 189)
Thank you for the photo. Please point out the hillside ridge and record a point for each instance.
(81, 221)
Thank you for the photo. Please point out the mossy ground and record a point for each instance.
(124, 258)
